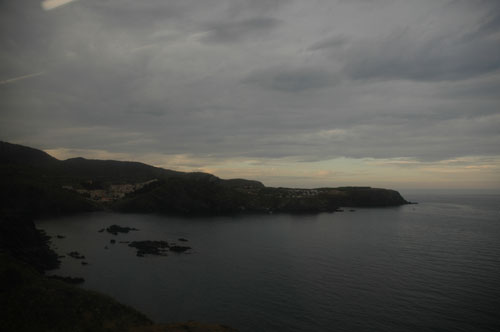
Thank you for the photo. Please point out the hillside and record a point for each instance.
(36, 184)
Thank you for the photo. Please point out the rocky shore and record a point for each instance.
(53, 302)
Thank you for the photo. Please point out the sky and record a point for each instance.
(383, 93)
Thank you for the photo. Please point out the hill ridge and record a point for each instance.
(37, 182)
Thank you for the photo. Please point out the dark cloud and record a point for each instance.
(464, 52)
(487, 30)
(230, 32)
(261, 7)
(334, 42)
(291, 79)
(477, 90)
(434, 60)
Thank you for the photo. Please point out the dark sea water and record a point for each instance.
(434, 266)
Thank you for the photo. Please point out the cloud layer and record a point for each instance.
(225, 80)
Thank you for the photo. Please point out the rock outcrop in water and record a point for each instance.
(115, 229)
(177, 248)
(76, 255)
(158, 248)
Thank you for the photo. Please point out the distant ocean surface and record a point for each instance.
(434, 266)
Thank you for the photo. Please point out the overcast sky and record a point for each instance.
(390, 93)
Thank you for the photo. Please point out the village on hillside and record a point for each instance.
(112, 193)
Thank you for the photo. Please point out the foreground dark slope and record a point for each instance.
(34, 302)
(36, 182)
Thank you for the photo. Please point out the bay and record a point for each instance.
(434, 266)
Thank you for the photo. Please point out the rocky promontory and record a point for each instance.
(34, 183)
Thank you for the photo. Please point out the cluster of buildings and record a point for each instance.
(112, 193)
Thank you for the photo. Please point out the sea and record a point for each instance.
(431, 266)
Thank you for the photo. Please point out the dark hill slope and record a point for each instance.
(15, 154)
(112, 170)
(29, 186)
(31, 181)
(187, 194)
(23, 159)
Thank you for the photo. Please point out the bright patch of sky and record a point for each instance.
(52, 4)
